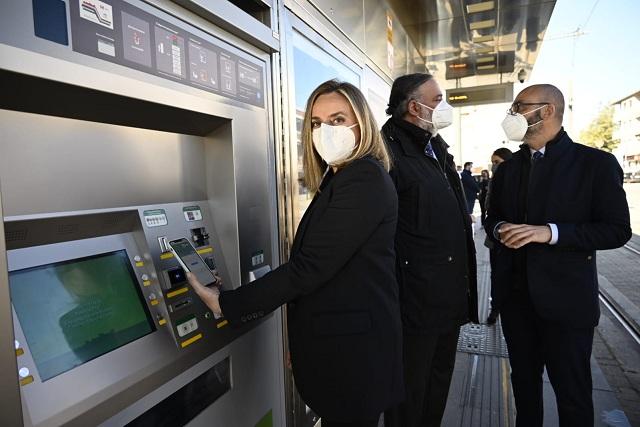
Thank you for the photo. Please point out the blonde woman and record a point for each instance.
(340, 285)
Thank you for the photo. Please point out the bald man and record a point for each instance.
(550, 208)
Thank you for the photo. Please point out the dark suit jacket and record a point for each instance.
(343, 315)
(434, 243)
(580, 190)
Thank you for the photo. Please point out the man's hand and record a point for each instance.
(515, 236)
(208, 295)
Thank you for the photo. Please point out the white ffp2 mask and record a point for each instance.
(334, 143)
(515, 125)
(441, 117)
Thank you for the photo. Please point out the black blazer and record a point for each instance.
(343, 315)
(434, 242)
(580, 190)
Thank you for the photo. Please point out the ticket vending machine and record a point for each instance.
(124, 125)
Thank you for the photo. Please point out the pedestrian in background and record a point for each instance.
(499, 156)
(483, 187)
(470, 186)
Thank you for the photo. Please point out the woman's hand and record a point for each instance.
(208, 295)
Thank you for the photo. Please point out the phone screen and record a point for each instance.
(191, 261)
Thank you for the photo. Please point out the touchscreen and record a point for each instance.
(74, 311)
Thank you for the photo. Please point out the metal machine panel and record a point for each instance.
(124, 165)
(101, 157)
(10, 406)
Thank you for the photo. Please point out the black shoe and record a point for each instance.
(493, 317)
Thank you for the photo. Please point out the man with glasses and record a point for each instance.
(435, 253)
(550, 208)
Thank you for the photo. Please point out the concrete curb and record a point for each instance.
(629, 310)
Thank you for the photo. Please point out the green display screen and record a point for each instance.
(74, 311)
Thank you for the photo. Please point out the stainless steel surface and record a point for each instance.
(348, 16)
(451, 30)
(253, 380)
(117, 166)
(10, 406)
(235, 20)
(363, 38)
(66, 158)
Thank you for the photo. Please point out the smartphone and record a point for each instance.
(189, 260)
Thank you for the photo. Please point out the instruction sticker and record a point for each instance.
(98, 12)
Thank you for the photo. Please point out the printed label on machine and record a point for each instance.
(192, 213)
(155, 218)
(97, 11)
(138, 37)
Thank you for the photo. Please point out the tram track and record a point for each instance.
(621, 316)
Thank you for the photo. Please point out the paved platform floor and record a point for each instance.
(481, 394)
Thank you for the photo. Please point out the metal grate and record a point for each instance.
(15, 235)
(482, 339)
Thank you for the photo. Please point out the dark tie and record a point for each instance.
(536, 156)
(428, 150)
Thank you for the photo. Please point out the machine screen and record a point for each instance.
(74, 311)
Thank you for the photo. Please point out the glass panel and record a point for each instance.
(377, 92)
(312, 66)
(74, 311)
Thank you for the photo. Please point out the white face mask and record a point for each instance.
(334, 143)
(441, 117)
(515, 125)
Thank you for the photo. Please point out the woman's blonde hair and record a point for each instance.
(371, 143)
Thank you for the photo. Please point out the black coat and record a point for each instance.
(469, 185)
(483, 186)
(580, 190)
(434, 242)
(343, 315)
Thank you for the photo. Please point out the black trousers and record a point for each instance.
(535, 343)
(495, 305)
(370, 423)
(428, 366)
(483, 210)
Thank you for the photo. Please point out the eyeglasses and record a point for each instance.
(515, 107)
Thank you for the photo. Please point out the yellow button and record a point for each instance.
(19, 352)
(26, 380)
(177, 292)
(146, 283)
(191, 340)
(154, 302)
(221, 324)
(162, 322)
(140, 264)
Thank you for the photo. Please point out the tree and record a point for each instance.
(599, 133)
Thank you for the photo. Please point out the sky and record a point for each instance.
(607, 56)
(606, 68)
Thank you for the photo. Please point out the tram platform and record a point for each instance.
(481, 394)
